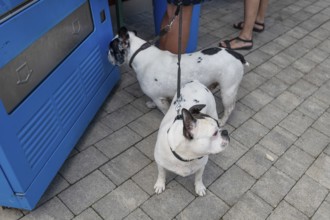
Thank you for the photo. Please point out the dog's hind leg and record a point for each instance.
(160, 183)
(162, 104)
(200, 189)
(228, 101)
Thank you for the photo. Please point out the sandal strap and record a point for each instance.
(261, 24)
(227, 42)
(243, 40)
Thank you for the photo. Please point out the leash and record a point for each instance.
(178, 93)
(162, 32)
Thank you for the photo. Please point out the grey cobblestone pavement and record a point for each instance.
(283, 111)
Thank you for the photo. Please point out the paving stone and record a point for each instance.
(85, 192)
(282, 60)
(257, 57)
(126, 79)
(240, 114)
(302, 88)
(249, 207)
(273, 186)
(267, 70)
(323, 93)
(306, 195)
(118, 142)
(298, 32)
(270, 116)
(316, 55)
(230, 155)
(278, 140)
(255, 161)
(81, 164)
(117, 100)
(57, 185)
(256, 99)
(53, 209)
(327, 150)
(318, 76)
(294, 162)
(287, 101)
(325, 45)
(169, 203)
(147, 145)
(215, 207)
(320, 33)
(286, 211)
(312, 107)
(94, 133)
(147, 124)
(241, 93)
(134, 90)
(274, 87)
(121, 117)
(289, 75)
(119, 170)
(323, 124)
(272, 48)
(88, 214)
(323, 213)
(295, 51)
(251, 81)
(296, 123)
(121, 201)
(313, 142)
(147, 177)
(138, 214)
(285, 40)
(10, 214)
(320, 170)
(232, 185)
(140, 104)
(249, 133)
(211, 173)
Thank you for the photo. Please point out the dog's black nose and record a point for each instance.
(224, 133)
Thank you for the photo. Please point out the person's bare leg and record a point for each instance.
(262, 11)
(170, 40)
(250, 14)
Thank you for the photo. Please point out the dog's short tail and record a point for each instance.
(238, 56)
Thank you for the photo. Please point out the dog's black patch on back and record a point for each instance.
(211, 51)
(156, 79)
(196, 101)
(238, 56)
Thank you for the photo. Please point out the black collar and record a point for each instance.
(143, 47)
(181, 159)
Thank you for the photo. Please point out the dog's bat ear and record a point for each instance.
(189, 123)
(196, 109)
(123, 32)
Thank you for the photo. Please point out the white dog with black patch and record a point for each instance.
(156, 69)
(184, 141)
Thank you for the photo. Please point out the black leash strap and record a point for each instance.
(179, 10)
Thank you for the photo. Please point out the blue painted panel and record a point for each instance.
(37, 137)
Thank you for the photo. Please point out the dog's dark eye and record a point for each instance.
(215, 133)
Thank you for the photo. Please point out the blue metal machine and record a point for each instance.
(54, 76)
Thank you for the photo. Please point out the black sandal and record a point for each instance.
(239, 26)
(227, 42)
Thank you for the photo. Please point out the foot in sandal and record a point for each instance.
(237, 43)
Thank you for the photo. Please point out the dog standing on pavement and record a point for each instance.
(156, 70)
(184, 141)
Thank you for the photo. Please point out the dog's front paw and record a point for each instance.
(159, 187)
(150, 104)
(200, 189)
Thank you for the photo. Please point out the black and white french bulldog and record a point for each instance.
(185, 140)
(157, 69)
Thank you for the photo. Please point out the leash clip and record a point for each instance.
(178, 104)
